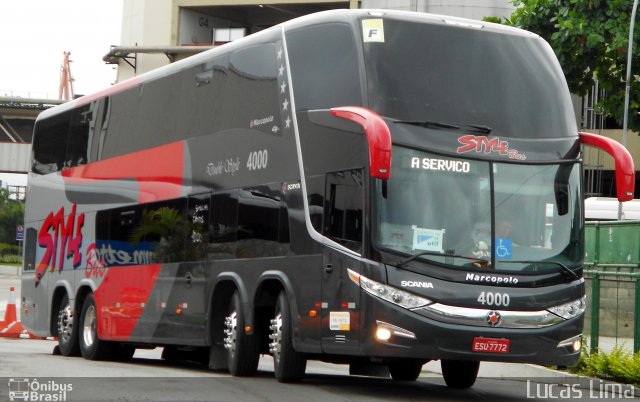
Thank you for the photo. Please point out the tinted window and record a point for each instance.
(453, 75)
(197, 227)
(142, 234)
(223, 229)
(259, 233)
(324, 67)
(252, 93)
(343, 213)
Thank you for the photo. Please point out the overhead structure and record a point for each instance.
(66, 81)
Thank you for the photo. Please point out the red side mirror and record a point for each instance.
(625, 171)
(378, 137)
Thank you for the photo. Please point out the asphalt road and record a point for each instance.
(30, 365)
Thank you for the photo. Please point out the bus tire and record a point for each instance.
(288, 365)
(242, 349)
(91, 346)
(405, 370)
(459, 373)
(67, 329)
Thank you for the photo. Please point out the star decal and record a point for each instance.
(282, 87)
(281, 71)
(285, 105)
(287, 122)
(279, 54)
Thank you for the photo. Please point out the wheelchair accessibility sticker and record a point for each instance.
(504, 249)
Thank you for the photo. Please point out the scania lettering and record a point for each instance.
(340, 187)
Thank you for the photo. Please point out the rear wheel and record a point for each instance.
(242, 349)
(91, 346)
(289, 365)
(459, 373)
(67, 329)
(405, 370)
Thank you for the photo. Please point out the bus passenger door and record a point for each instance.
(343, 221)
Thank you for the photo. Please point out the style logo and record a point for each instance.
(482, 144)
(494, 318)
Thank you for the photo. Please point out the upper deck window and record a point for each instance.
(324, 67)
(458, 76)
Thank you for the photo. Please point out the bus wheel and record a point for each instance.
(288, 365)
(242, 349)
(91, 346)
(405, 370)
(458, 373)
(67, 329)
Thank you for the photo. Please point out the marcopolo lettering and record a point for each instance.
(498, 280)
(446, 165)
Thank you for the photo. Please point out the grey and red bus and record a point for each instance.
(374, 188)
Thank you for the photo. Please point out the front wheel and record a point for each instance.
(242, 349)
(405, 370)
(67, 329)
(288, 365)
(91, 346)
(459, 373)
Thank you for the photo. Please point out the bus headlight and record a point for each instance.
(388, 293)
(571, 309)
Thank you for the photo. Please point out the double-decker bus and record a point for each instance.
(374, 188)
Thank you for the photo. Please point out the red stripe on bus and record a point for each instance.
(159, 171)
(121, 299)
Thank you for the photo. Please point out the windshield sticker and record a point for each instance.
(504, 249)
(339, 321)
(446, 165)
(482, 144)
(427, 239)
(372, 30)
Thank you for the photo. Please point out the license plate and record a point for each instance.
(490, 345)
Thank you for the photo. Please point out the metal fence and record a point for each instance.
(594, 298)
(612, 259)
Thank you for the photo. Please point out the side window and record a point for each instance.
(315, 190)
(50, 144)
(78, 137)
(197, 227)
(324, 66)
(343, 208)
(142, 234)
(259, 221)
(253, 80)
(223, 226)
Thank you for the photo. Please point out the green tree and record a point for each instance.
(11, 214)
(590, 40)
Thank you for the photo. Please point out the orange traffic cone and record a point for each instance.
(10, 327)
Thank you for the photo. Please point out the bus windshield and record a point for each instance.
(480, 214)
(465, 76)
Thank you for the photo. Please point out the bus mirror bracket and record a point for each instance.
(625, 170)
(378, 137)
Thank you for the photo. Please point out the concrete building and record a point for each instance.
(166, 30)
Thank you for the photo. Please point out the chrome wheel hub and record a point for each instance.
(89, 326)
(231, 332)
(65, 323)
(275, 346)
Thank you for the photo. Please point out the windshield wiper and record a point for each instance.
(429, 124)
(561, 265)
(399, 264)
(478, 128)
